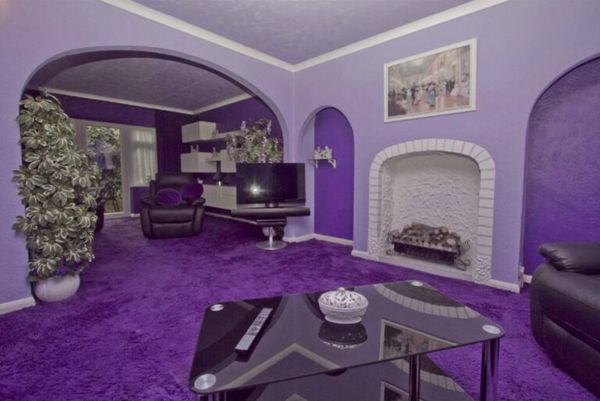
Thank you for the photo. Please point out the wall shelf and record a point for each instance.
(206, 162)
(325, 154)
(315, 162)
(215, 137)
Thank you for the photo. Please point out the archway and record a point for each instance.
(562, 196)
(125, 75)
(77, 57)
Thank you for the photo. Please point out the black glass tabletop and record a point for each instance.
(402, 319)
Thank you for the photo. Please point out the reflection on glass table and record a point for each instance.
(296, 348)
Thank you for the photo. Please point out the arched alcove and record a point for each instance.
(562, 195)
(334, 186)
(330, 189)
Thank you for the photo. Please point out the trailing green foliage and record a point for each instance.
(107, 141)
(253, 144)
(57, 183)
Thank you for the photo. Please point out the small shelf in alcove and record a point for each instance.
(315, 162)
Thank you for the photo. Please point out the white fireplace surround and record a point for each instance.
(480, 271)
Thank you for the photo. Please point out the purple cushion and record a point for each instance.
(168, 197)
(192, 191)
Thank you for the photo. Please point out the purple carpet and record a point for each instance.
(130, 331)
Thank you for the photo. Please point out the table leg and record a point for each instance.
(489, 370)
(414, 377)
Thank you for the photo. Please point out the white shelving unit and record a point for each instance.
(220, 196)
(198, 131)
(198, 162)
(203, 131)
(206, 162)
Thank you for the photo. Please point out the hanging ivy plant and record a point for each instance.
(58, 184)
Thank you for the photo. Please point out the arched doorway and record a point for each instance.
(562, 195)
(125, 90)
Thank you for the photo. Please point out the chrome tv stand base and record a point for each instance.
(271, 218)
(271, 244)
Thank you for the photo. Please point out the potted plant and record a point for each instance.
(57, 182)
(253, 145)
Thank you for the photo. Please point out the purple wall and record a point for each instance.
(46, 31)
(334, 187)
(96, 110)
(563, 163)
(230, 117)
(516, 60)
(168, 139)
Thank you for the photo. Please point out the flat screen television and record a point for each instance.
(270, 184)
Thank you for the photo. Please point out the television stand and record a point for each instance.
(271, 244)
(271, 218)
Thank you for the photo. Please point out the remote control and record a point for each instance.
(246, 342)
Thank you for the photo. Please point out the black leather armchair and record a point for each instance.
(565, 309)
(183, 220)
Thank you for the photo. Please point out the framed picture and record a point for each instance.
(398, 340)
(389, 392)
(441, 81)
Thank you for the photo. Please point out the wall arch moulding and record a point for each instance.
(307, 128)
(480, 271)
(77, 56)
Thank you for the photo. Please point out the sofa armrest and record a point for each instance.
(581, 258)
(198, 202)
(148, 201)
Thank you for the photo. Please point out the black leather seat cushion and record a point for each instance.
(174, 214)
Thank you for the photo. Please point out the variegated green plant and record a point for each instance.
(58, 184)
(253, 144)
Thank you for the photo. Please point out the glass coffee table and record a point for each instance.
(297, 355)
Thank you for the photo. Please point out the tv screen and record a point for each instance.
(270, 183)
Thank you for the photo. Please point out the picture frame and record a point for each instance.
(389, 392)
(397, 339)
(437, 82)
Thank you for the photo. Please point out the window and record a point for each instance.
(126, 154)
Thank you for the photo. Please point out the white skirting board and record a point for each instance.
(320, 237)
(503, 285)
(17, 304)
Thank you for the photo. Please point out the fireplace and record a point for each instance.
(438, 183)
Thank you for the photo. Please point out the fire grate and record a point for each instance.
(431, 243)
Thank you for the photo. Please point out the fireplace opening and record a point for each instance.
(431, 207)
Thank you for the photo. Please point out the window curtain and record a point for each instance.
(142, 150)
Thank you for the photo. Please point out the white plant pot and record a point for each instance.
(57, 288)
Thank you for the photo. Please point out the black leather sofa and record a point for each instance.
(160, 221)
(565, 310)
